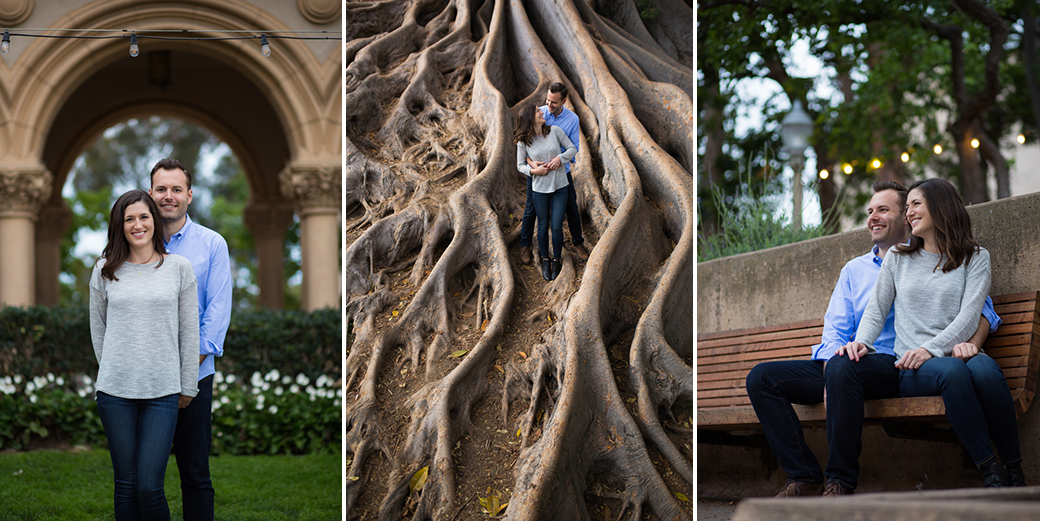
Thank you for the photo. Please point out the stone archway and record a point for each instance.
(280, 115)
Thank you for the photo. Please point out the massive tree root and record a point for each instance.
(602, 400)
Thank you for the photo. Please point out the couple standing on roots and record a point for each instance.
(907, 319)
(546, 140)
(160, 306)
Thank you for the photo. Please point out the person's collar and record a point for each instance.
(184, 227)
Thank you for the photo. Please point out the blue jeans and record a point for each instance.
(774, 386)
(550, 209)
(139, 436)
(191, 444)
(978, 403)
(573, 216)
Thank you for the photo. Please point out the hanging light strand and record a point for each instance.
(134, 36)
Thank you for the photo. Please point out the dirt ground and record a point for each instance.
(721, 510)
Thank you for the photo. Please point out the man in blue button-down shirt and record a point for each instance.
(774, 386)
(208, 253)
(556, 115)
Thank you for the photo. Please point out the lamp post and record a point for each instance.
(796, 129)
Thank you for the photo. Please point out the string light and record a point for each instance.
(974, 143)
(905, 157)
(937, 149)
(265, 48)
(154, 34)
(847, 169)
(876, 163)
(824, 174)
(1021, 137)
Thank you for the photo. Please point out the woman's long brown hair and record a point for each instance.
(952, 224)
(524, 130)
(118, 248)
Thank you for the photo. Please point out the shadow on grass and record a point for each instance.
(77, 486)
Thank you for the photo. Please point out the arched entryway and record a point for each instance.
(280, 115)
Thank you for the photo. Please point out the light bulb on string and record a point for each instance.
(5, 46)
(937, 149)
(265, 48)
(135, 50)
(1021, 137)
(974, 143)
(905, 157)
(824, 174)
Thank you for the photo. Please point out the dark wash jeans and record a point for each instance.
(978, 403)
(139, 435)
(191, 445)
(573, 216)
(550, 209)
(774, 386)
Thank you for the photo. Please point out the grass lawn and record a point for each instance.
(77, 486)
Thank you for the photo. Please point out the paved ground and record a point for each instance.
(710, 509)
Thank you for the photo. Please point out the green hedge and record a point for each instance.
(39, 340)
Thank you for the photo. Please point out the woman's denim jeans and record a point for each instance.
(978, 403)
(139, 433)
(551, 208)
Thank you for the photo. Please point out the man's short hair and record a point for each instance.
(559, 88)
(881, 186)
(168, 163)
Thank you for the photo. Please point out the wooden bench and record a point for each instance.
(724, 360)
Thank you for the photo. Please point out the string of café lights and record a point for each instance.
(905, 157)
(135, 48)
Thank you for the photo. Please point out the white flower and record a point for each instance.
(82, 393)
(222, 387)
(302, 379)
(33, 398)
(225, 400)
(60, 381)
(30, 387)
(321, 381)
(257, 379)
(260, 406)
(218, 377)
(272, 376)
(336, 403)
(260, 399)
(230, 379)
(273, 409)
(294, 388)
(216, 405)
(238, 407)
(339, 393)
(286, 380)
(17, 379)
(87, 380)
(40, 382)
(278, 391)
(50, 377)
(266, 386)
(7, 380)
(256, 390)
(313, 398)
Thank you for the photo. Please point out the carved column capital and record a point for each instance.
(14, 12)
(313, 189)
(320, 12)
(23, 191)
(267, 220)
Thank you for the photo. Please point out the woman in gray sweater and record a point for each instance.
(540, 142)
(144, 324)
(937, 284)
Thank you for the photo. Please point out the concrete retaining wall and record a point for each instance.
(794, 282)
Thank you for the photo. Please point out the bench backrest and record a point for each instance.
(725, 358)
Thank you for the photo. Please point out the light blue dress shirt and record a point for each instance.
(849, 300)
(208, 253)
(569, 124)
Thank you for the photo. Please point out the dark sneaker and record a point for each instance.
(837, 489)
(799, 489)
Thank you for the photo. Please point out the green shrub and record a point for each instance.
(38, 340)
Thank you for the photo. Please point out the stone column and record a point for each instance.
(54, 220)
(22, 190)
(316, 193)
(268, 223)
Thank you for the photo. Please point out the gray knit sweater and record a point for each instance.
(934, 310)
(544, 148)
(145, 329)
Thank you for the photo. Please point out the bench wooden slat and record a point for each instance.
(725, 358)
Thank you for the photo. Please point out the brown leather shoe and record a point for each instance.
(525, 255)
(834, 489)
(583, 254)
(799, 489)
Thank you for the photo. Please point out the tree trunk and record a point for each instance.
(438, 302)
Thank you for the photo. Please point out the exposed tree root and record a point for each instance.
(432, 188)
